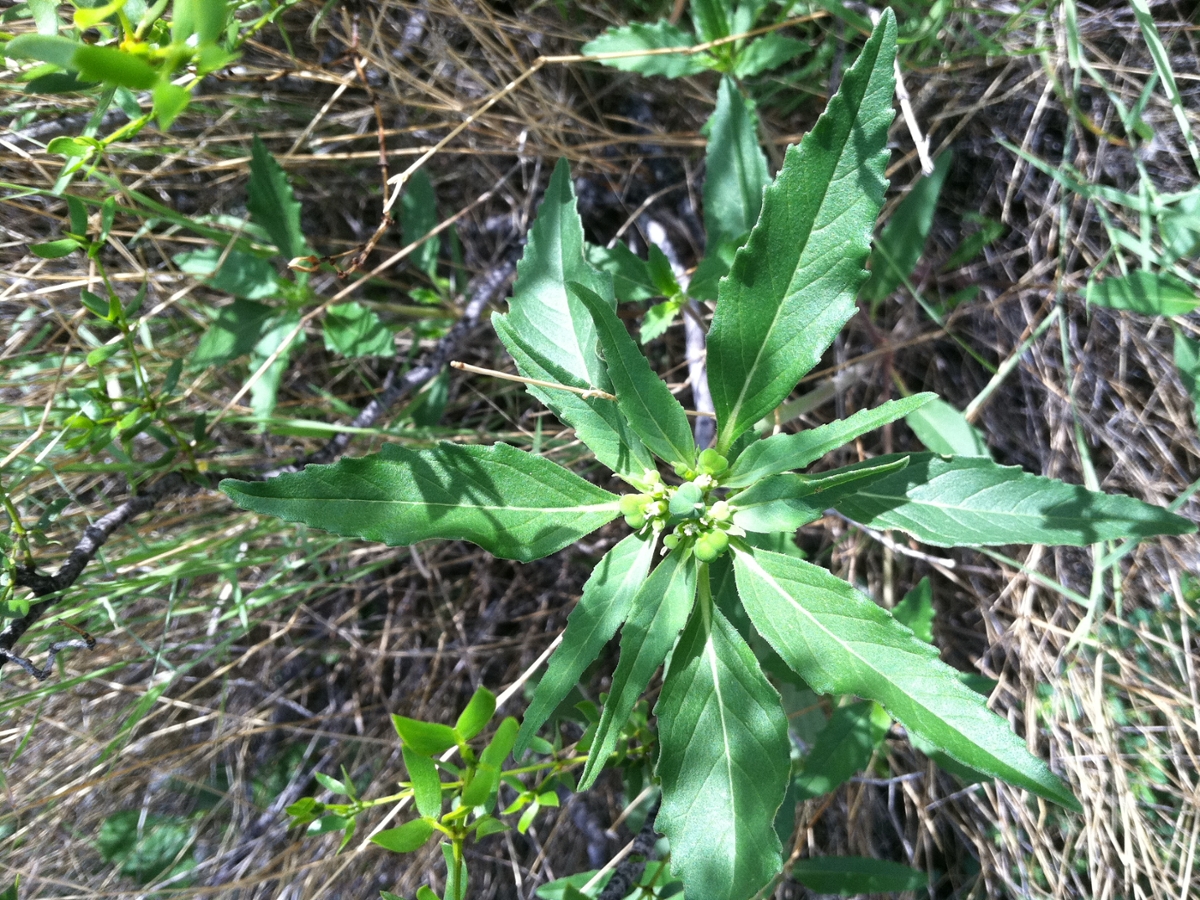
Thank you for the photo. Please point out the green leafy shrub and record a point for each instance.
(723, 738)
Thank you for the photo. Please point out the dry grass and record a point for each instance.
(249, 657)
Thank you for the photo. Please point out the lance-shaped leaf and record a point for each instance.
(792, 287)
(597, 420)
(785, 452)
(785, 502)
(647, 402)
(605, 603)
(735, 168)
(840, 642)
(723, 762)
(551, 335)
(660, 610)
(513, 504)
(272, 203)
(973, 502)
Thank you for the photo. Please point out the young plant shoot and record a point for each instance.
(698, 512)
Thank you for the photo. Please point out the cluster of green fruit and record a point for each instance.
(685, 508)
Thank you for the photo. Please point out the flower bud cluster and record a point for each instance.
(690, 510)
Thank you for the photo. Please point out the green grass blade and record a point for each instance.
(792, 287)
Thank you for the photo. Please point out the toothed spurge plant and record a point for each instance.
(694, 564)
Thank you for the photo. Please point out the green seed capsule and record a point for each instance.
(635, 520)
(713, 462)
(705, 551)
(719, 541)
(631, 504)
(671, 541)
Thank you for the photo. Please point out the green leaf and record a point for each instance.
(241, 274)
(605, 603)
(915, 611)
(784, 452)
(659, 318)
(169, 101)
(735, 167)
(840, 642)
(114, 66)
(204, 18)
(1187, 363)
(513, 504)
(558, 889)
(478, 712)
(972, 502)
(55, 249)
(792, 287)
(408, 837)
(1148, 293)
(45, 16)
(272, 204)
(768, 52)
(597, 421)
(549, 320)
(660, 610)
(944, 430)
(902, 240)
(425, 738)
(424, 893)
(501, 744)
(630, 273)
(264, 391)
(552, 337)
(331, 784)
(659, 36)
(90, 15)
(856, 875)
(237, 329)
(843, 748)
(426, 785)
(10, 893)
(58, 51)
(57, 83)
(418, 217)
(786, 502)
(144, 847)
(647, 402)
(711, 18)
(78, 215)
(354, 331)
(723, 762)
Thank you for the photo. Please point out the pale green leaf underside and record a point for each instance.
(647, 402)
(639, 36)
(792, 287)
(723, 763)
(660, 610)
(840, 642)
(601, 610)
(971, 502)
(513, 504)
(597, 421)
(735, 168)
(785, 452)
(946, 431)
